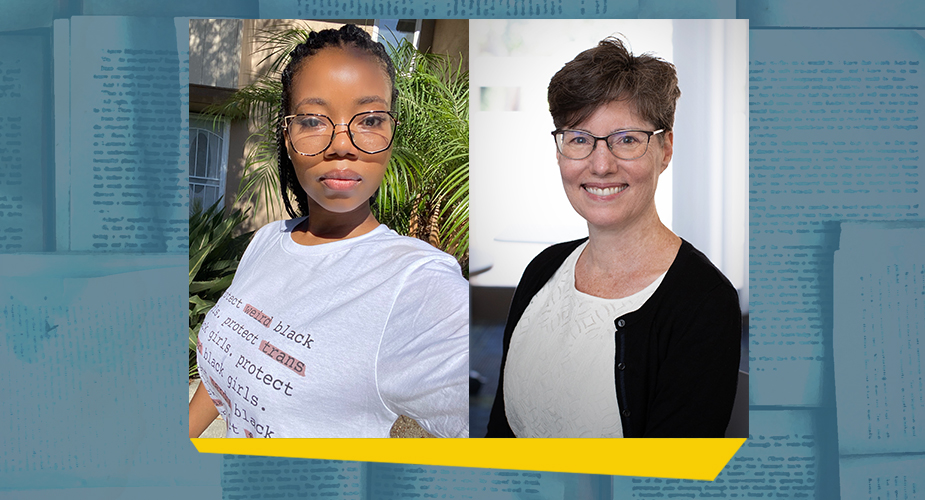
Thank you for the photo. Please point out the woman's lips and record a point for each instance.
(340, 184)
(340, 180)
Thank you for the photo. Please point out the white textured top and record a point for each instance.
(338, 339)
(559, 375)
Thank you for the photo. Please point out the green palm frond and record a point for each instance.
(276, 43)
(213, 259)
(433, 106)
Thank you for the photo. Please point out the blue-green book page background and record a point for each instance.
(92, 290)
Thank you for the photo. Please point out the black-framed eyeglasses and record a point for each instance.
(625, 145)
(311, 134)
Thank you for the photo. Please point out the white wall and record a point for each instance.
(711, 155)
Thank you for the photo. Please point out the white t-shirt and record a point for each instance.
(338, 339)
(559, 374)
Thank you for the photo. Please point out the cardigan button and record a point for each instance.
(620, 323)
(621, 366)
(626, 413)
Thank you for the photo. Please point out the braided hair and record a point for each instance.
(347, 36)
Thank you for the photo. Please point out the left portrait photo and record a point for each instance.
(329, 228)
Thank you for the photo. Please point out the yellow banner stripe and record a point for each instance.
(670, 458)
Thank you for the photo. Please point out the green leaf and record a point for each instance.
(214, 257)
(219, 283)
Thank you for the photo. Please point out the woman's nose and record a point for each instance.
(341, 145)
(602, 161)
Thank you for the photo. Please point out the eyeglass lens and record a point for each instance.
(627, 145)
(312, 134)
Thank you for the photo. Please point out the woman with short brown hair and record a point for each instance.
(631, 332)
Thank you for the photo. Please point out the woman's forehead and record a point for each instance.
(338, 65)
(619, 114)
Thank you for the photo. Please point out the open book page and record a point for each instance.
(832, 13)
(396, 481)
(174, 8)
(834, 136)
(22, 142)
(879, 283)
(780, 460)
(91, 360)
(127, 164)
(312, 9)
(245, 477)
(25, 14)
(361, 480)
(880, 477)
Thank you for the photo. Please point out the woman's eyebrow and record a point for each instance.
(371, 99)
(311, 100)
(615, 131)
(626, 129)
(317, 101)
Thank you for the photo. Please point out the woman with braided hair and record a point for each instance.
(335, 325)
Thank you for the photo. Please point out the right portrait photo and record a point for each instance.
(608, 228)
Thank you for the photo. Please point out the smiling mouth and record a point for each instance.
(609, 191)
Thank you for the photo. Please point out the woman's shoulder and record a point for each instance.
(269, 234)
(693, 273)
(428, 275)
(408, 251)
(264, 239)
(276, 228)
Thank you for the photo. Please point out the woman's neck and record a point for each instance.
(641, 237)
(621, 261)
(322, 226)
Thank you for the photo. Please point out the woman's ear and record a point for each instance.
(667, 149)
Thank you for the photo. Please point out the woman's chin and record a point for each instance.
(609, 220)
(340, 206)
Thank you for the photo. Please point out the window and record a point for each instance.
(208, 161)
(392, 31)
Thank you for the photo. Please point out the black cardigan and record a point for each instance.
(677, 356)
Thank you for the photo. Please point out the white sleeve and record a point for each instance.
(423, 361)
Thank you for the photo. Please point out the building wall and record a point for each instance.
(451, 37)
(215, 52)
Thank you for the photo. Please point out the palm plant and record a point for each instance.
(213, 258)
(426, 189)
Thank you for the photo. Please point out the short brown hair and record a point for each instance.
(610, 72)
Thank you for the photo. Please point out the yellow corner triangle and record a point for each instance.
(700, 459)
